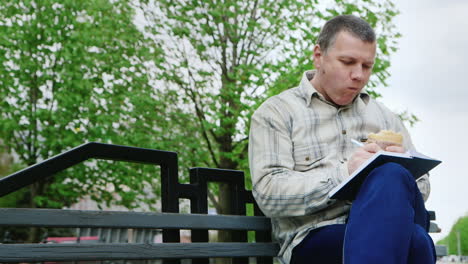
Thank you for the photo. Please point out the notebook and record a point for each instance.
(416, 163)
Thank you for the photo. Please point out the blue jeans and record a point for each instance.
(387, 224)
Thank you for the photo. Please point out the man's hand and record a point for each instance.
(361, 155)
(398, 149)
(367, 151)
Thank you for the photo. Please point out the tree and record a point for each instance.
(73, 72)
(460, 228)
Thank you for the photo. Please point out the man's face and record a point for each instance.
(344, 70)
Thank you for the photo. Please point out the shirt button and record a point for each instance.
(345, 159)
(342, 161)
(343, 132)
(307, 158)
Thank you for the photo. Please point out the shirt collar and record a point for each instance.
(308, 91)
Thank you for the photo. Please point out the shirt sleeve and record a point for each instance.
(279, 190)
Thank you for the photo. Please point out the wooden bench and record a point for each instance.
(131, 251)
(170, 221)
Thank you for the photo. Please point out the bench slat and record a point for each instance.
(118, 251)
(76, 218)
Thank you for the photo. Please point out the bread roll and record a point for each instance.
(386, 138)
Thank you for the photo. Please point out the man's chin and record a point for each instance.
(343, 101)
(347, 99)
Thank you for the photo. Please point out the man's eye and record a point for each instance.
(347, 62)
(365, 66)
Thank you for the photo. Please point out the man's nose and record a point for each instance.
(357, 73)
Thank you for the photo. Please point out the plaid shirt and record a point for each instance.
(298, 151)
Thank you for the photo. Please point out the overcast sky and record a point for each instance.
(428, 79)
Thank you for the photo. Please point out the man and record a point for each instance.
(300, 148)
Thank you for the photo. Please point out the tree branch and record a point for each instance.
(201, 119)
(244, 35)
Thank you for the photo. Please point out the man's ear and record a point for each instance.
(317, 56)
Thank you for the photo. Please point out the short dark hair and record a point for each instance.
(349, 23)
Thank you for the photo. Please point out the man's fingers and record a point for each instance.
(361, 155)
(398, 149)
(371, 147)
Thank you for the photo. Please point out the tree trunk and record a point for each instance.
(33, 231)
(224, 201)
(224, 208)
(36, 189)
(6, 161)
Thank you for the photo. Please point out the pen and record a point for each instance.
(357, 143)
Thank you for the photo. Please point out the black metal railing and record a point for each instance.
(171, 189)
